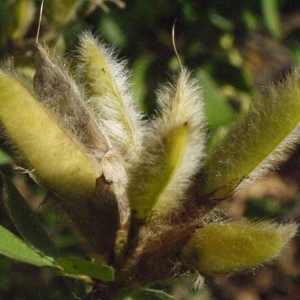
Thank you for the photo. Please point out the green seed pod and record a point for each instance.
(59, 93)
(225, 248)
(257, 143)
(171, 153)
(57, 159)
(107, 87)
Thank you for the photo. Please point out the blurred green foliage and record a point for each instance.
(235, 48)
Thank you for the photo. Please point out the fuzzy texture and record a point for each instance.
(85, 163)
(224, 248)
(171, 153)
(257, 143)
(60, 94)
(57, 159)
(107, 88)
(113, 168)
(63, 166)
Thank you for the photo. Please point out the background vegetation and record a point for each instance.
(236, 48)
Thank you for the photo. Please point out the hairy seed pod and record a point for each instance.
(171, 153)
(107, 88)
(257, 143)
(58, 160)
(58, 92)
(225, 248)
(55, 156)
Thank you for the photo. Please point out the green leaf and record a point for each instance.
(138, 76)
(217, 109)
(151, 294)
(13, 247)
(220, 21)
(59, 13)
(25, 220)
(112, 31)
(270, 9)
(24, 13)
(76, 266)
(4, 158)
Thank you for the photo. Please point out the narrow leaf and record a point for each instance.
(151, 294)
(26, 221)
(13, 247)
(24, 11)
(139, 73)
(270, 10)
(75, 266)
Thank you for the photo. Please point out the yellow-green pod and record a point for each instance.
(56, 158)
(226, 248)
(160, 175)
(257, 143)
(172, 152)
(107, 87)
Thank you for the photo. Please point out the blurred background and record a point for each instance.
(235, 48)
